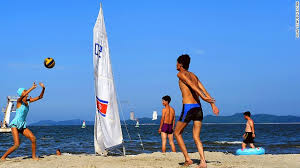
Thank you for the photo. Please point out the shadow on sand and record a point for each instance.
(29, 157)
(197, 161)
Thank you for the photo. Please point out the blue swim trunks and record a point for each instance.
(191, 112)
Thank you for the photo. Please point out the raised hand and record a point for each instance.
(215, 109)
(42, 85)
(34, 85)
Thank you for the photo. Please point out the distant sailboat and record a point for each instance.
(154, 116)
(9, 108)
(107, 128)
(137, 124)
(83, 124)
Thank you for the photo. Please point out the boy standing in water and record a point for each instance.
(167, 124)
(249, 131)
(191, 88)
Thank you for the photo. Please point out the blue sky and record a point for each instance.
(244, 52)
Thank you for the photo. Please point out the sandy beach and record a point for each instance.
(157, 160)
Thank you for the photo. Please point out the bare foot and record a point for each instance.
(3, 158)
(202, 164)
(35, 158)
(187, 163)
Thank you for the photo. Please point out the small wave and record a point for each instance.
(44, 138)
(67, 154)
(228, 142)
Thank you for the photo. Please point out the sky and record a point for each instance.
(244, 52)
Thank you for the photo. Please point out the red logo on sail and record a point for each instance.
(102, 106)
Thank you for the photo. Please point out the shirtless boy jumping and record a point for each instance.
(167, 124)
(191, 88)
(249, 131)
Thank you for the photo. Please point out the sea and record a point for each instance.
(227, 138)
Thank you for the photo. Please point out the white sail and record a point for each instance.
(83, 124)
(137, 123)
(154, 116)
(107, 129)
(7, 112)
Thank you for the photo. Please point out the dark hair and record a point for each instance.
(58, 150)
(247, 113)
(167, 98)
(184, 60)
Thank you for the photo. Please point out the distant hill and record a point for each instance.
(236, 118)
(258, 118)
(66, 122)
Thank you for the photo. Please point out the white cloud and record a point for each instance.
(199, 52)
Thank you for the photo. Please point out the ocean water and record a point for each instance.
(275, 138)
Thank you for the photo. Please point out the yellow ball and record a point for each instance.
(49, 62)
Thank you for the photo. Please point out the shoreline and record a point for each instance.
(155, 160)
(292, 123)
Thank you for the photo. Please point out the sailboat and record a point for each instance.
(154, 115)
(9, 108)
(137, 124)
(83, 124)
(107, 128)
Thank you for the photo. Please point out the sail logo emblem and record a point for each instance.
(98, 49)
(101, 106)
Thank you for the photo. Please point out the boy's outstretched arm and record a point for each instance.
(40, 96)
(213, 105)
(196, 88)
(200, 85)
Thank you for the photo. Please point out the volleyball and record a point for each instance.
(49, 62)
